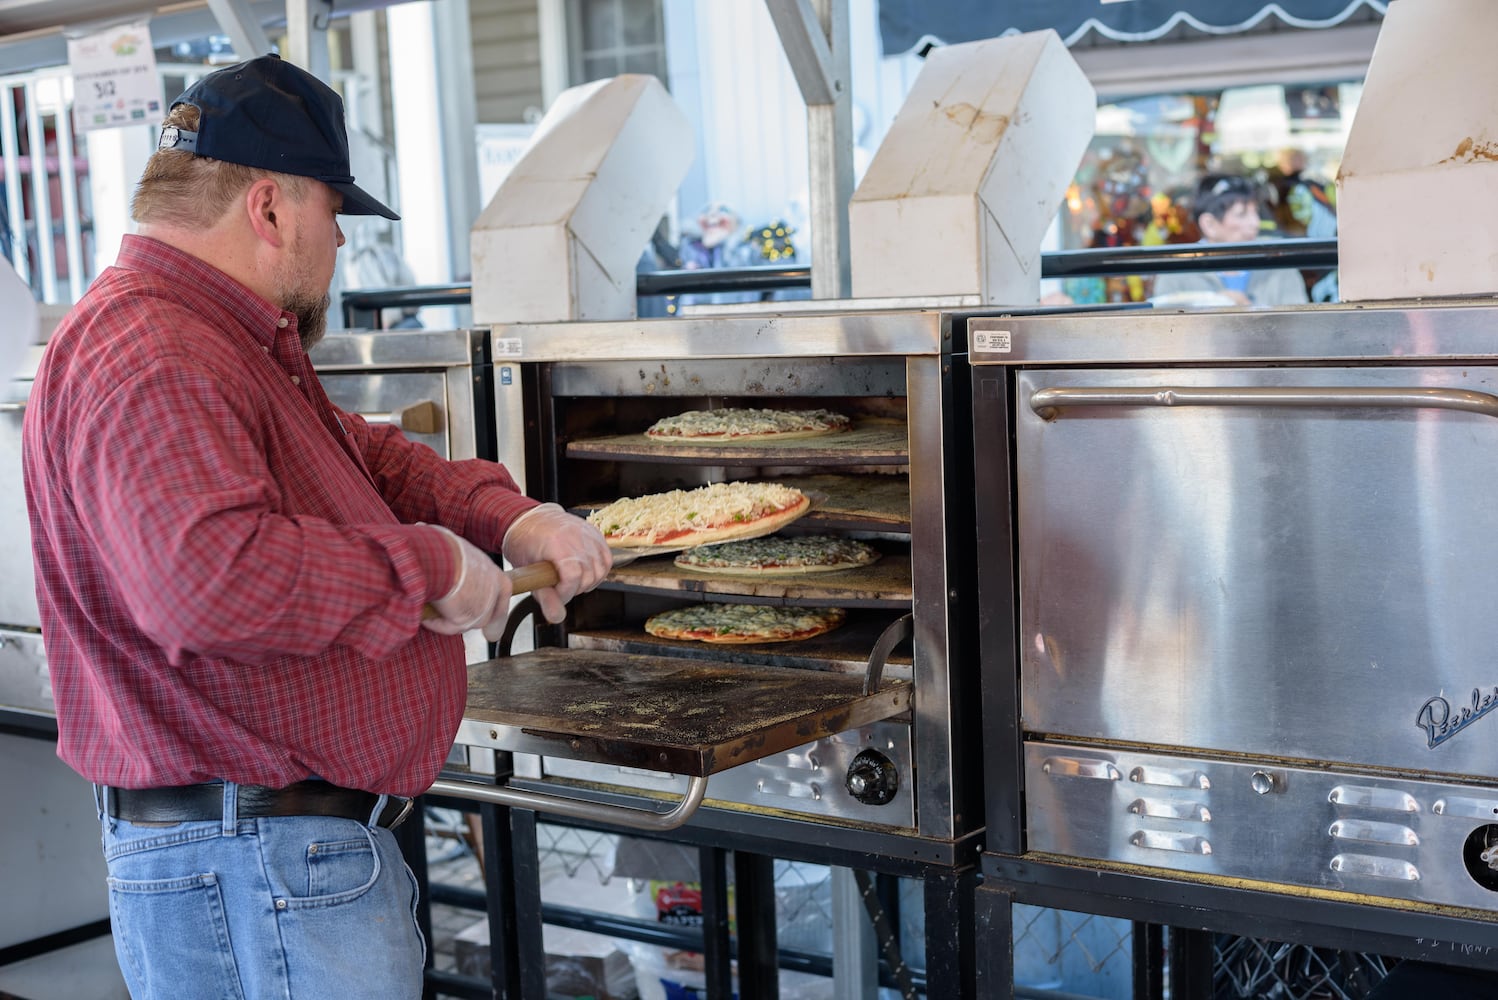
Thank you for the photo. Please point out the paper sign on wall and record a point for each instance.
(114, 78)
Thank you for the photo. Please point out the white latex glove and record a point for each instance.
(576, 548)
(481, 596)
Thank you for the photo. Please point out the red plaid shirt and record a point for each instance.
(230, 575)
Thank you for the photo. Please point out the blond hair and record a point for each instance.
(182, 189)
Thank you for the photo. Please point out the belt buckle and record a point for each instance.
(404, 813)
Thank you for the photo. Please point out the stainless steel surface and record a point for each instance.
(598, 812)
(1399, 332)
(414, 349)
(1376, 834)
(767, 335)
(1047, 403)
(18, 596)
(433, 375)
(937, 758)
(1291, 582)
(50, 842)
(876, 359)
(379, 397)
(25, 684)
(809, 779)
(1253, 554)
(763, 376)
(815, 38)
(378, 375)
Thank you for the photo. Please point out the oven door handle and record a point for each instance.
(598, 812)
(1048, 403)
(424, 417)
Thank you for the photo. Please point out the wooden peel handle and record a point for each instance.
(523, 580)
(535, 576)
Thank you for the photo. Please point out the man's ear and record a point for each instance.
(263, 201)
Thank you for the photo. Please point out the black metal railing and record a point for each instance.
(362, 308)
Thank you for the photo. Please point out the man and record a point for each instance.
(232, 573)
(1226, 209)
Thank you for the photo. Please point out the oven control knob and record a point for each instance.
(872, 778)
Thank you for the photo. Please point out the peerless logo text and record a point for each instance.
(1441, 722)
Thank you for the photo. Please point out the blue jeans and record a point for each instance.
(291, 908)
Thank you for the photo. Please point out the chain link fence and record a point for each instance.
(1274, 970)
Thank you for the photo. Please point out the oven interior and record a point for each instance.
(586, 422)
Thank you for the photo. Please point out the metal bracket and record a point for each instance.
(244, 30)
(814, 35)
(899, 630)
(806, 49)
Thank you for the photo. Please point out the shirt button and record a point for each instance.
(283, 322)
(296, 380)
(265, 349)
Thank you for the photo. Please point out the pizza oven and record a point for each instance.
(892, 768)
(856, 749)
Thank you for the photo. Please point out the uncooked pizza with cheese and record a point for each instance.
(686, 518)
(746, 424)
(780, 555)
(744, 623)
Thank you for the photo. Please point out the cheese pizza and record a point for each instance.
(779, 555)
(744, 623)
(739, 424)
(686, 518)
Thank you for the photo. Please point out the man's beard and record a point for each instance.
(310, 308)
(311, 316)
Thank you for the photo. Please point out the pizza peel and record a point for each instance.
(625, 553)
(536, 576)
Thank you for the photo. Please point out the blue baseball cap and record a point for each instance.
(270, 114)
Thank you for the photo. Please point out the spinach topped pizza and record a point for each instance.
(744, 623)
(779, 555)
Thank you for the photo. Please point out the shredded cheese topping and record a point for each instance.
(660, 516)
(736, 422)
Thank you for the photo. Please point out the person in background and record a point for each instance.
(1305, 206)
(1226, 210)
(253, 602)
(717, 243)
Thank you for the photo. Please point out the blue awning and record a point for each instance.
(906, 24)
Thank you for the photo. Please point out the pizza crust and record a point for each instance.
(747, 510)
(735, 424)
(743, 623)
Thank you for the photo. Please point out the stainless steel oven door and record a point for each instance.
(1296, 563)
(18, 596)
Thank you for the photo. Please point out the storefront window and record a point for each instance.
(1136, 180)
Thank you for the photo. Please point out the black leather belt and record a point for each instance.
(194, 803)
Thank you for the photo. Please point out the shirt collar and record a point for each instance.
(197, 282)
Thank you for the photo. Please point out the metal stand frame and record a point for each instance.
(516, 914)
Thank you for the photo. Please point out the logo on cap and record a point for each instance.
(173, 137)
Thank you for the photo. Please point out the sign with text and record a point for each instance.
(114, 78)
